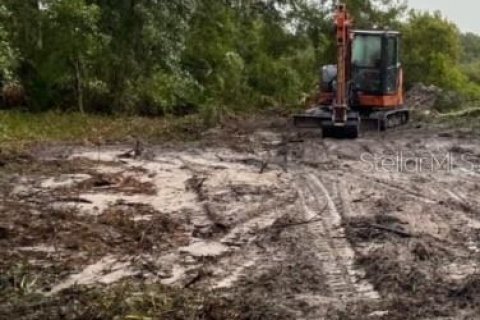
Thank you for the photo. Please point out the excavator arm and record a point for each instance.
(340, 104)
(338, 120)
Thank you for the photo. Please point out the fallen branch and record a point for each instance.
(198, 276)
(368, 196)
(250, 161)
(399, 232)
(73, 199)
(287, 225)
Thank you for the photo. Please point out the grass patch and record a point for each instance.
(134, 300)
(19, 129)
(124, 300)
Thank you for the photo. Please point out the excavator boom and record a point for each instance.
(340, 107)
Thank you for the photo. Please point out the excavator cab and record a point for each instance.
(375, 65)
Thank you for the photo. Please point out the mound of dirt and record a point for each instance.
(422, 97)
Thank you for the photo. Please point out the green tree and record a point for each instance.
(141, 63)
(257, 53)
(57, 40)
(24, 26)
(470, 58)
(383, 14)
(117, 55)
(158, 57)
(7, 53)
(431, 51)
(470, 48)
(73, 42)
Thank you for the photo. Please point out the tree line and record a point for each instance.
(154, 57)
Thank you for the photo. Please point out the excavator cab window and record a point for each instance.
(375, 62)
(392, 65)
(367, 62)
(367, 51)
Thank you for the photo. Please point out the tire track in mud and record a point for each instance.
(461, 210)
(245, 254)
(323, 242)
(330, 244)
(395, 186)
(239, 254)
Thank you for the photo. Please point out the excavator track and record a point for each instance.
(384, 120)
(376, 121)
(343, 132)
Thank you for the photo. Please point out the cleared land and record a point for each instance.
(248, 223)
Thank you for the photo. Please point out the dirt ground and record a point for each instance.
(275, 223)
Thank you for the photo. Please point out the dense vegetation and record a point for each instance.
(156, 57)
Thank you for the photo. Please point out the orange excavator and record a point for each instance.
(365, 86)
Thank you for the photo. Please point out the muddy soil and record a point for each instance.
(280, 224)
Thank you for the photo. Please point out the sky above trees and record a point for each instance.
(463, 12)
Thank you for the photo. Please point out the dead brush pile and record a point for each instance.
(115, 231)
(40, 246)
(422, 97)
(151, 231)
(406, 269)
(415, 290)
(377, 228)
